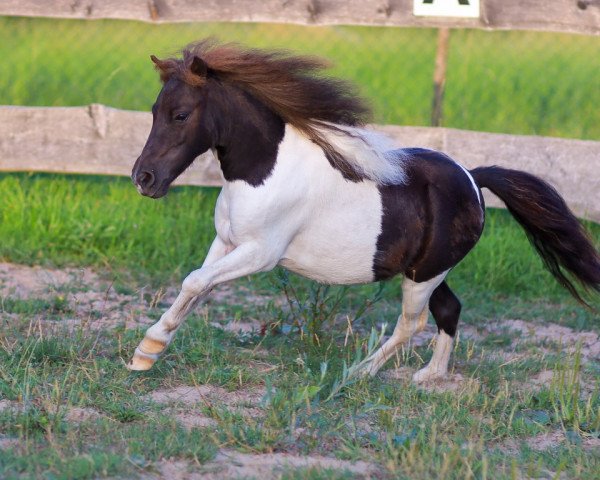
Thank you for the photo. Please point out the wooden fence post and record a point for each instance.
(439, 77)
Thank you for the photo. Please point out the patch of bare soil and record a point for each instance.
(172, 470)
(194, 420)
(550, 332)
(240, 326)
(542, 379)
(7, 442)
(546, 379)
(183, 399)
(23, 281)
(82, 414)
(404, 374)
(231, 464)
(9, 405)
(203, 393)
(73, 414)
(547, 441)
(228, 292)
(91, 302)
(94, 303)
(453, 382)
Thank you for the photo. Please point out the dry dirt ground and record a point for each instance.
(95, 304)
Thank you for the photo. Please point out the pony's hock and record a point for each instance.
(308, 188)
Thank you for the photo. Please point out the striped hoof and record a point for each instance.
(146, 354)
(149, 346)
(140, 362)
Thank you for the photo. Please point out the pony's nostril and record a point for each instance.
(145, 179)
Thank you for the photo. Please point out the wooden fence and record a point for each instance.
(102, 140)
(574, 16)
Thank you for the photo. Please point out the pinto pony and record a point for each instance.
(308, 188)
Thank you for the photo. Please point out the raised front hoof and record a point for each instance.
(141, 361)
(146, 354)
(427, 375)
(140, 364)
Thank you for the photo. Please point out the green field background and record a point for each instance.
(512, 82)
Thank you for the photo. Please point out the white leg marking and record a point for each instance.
(438, 365)
(415, 301)
(221, 265)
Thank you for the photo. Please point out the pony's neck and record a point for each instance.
(247, 134)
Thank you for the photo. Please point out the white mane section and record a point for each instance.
(371, 153)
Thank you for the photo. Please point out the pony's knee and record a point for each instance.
(194, 285)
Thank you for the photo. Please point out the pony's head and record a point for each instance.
(182, 125)
(207, 91)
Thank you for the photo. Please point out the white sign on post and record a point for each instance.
(446, 8)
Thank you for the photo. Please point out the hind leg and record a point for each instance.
(445, 308)
(413, 319)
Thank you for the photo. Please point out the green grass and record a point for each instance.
(32, 306)
(412, 433)
(513, 82)
(103, 222)
(66, 220)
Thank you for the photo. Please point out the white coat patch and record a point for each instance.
(317, 223)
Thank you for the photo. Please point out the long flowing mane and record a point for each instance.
(295, 87)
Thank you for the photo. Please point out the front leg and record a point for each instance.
(221, 265)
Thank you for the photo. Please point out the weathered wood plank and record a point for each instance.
(572, 166)
(103, 140)
(92, 140)
(574, 16)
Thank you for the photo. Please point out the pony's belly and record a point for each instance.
(339, 245)
(332, 271)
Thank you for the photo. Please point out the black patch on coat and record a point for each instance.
(249, 135)
(430, 223)
(445, 308)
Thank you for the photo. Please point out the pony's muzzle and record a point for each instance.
(145, 179)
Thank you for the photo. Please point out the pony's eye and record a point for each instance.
(181, 117)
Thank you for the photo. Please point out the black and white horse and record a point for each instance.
(307, 188)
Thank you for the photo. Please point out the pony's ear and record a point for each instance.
(162, 67)
(199, 67)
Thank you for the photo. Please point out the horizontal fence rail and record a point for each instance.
(103, 140)
(573, 16)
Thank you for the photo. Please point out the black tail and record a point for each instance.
(557, 235)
